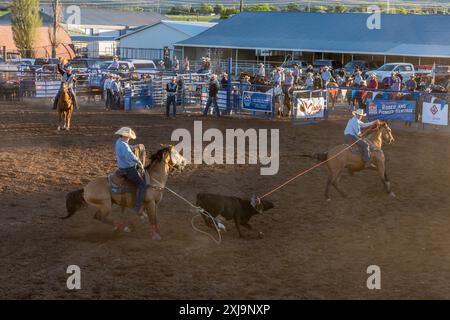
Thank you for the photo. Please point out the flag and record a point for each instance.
(433, 73)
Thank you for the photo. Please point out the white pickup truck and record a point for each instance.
(405, 69)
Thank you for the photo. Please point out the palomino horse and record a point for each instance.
(65, 108)
(341, 157)
(97, 193)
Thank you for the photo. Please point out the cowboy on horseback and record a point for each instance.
(130, 165)
(69, 79)
(353, 133)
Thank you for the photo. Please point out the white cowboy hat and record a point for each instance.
(359, 112)
(126, 132)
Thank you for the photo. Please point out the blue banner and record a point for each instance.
(404, 110)
(257, 101)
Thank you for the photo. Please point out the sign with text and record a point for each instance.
(257, 101)
(404, 110)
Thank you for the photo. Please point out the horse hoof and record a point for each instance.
(392, 194)
(127, 229)
(328, 199)
(59, 128)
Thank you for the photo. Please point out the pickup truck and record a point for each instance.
(405, 69)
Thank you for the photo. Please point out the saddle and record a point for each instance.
(119, 183)
(355, 149)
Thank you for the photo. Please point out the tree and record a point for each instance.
(25, 22)
(318, 9)
(262, 7)
(218, 8)
(340, 8)
(227, 12)
(183, 10)
(205, 8)
(292, 7)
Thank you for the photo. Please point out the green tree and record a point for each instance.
(318, 9)
(25, 22)
(261, 7)
(218, 8)
(340, 8)
(400, 10)
(227, 12)
(292, 7)
(183, 10)
(205, 8)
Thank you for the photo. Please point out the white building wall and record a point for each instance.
(156, 37)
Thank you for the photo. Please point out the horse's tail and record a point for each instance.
(74, 202)
(321, 156)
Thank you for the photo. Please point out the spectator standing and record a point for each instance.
(261, 72)
(213, 89)
(373, 82)
(175, 64)
(411, 84)
(309, 82)
(186, 64)
(115, 89)
(310, 69)
(246, 84)
(325, 75)
(115, 64)
(358, 77)
(107, 91)
(171, 89)
(224, 81)
(297, 73)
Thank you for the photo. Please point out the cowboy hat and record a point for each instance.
(359, 112)
(363, 82)
(126, 132)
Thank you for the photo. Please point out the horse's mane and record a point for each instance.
(158, 156)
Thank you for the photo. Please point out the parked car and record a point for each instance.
(333, 64)
(363, 65)
(39, 63)
(143, 66)
(405, 69)
(82, 65)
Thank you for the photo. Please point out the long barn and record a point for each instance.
(419, 39)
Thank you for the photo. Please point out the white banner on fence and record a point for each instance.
(435, 113)
(309, 108)
(47, 89)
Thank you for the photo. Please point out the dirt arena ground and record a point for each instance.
(315, 249)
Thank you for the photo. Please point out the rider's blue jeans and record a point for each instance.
(362, 144)
(134, 176)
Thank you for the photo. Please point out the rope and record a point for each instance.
(308, 170)
(200, 211)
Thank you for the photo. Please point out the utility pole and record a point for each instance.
(241, 6)
(56, 17)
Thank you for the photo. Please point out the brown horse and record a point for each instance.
(65, 108)
(97, 193)
(342, 157)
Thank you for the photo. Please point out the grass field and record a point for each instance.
(193, 18)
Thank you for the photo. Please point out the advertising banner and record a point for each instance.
(257, 101)
(404, 110)
(435, 113)
(309, 108)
